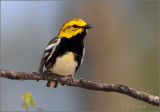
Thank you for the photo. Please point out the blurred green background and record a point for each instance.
(122, 48)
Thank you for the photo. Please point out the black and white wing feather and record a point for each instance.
(48, 53)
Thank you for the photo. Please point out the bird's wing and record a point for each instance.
(48, 53)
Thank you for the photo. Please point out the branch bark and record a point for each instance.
(151, 99)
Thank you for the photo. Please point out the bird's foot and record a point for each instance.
(47, 71)
(70, 78)
(81, 80)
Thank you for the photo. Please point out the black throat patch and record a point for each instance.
(74, 44)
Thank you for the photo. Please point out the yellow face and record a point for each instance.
(73, 27)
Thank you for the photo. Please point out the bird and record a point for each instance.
(64, 53)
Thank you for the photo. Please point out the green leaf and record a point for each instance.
(24, 105)
(28, 100)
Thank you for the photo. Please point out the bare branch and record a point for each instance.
(151, 99)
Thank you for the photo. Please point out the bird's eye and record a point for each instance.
(75, 26)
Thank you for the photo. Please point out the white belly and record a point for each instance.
(65, 65)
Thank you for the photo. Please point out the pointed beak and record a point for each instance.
(87, 26)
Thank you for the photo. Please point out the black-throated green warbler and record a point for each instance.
(64, 53)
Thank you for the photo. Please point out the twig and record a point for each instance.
(38, 108)
(151, 99)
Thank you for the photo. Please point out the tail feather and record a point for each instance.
(53, 84)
